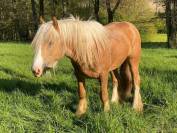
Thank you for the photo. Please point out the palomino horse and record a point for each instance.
(94, 50)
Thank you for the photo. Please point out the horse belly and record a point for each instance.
(90, 74)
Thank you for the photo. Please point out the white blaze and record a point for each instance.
(38, 60)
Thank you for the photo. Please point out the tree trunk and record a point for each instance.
(53, 10)
(110, 11)
(171, 23)
(35, 20)
(63, 7)
(96, 9)
(110, 17)
(108, 8)
(64, 4)
(41, 8)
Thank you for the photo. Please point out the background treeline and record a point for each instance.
(19, 19)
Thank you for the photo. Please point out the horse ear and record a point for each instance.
(55, 23)
(41, 20)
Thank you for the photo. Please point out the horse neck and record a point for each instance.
(69, 52)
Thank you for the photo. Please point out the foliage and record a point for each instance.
(154, 38)
(146, 28)
(17, 19)
(14, 19)
(160, 25)
(131, 10)
(48, 104)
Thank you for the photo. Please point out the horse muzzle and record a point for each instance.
(37, 72)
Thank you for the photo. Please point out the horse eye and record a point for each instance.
(50, 44)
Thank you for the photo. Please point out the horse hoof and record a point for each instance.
(138, 108)
(79, 113)
(106, 107)
(114, 101)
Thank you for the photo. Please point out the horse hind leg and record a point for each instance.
(126, 80)
(137, 101)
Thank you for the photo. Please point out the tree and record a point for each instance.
(171, 22)
(41, 8)
(35, 20)
(110, 11)
(64, 4)
(53, 7)
(96, 4)
(19, 19)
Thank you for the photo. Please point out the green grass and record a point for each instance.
(48, 104)
(154, 37)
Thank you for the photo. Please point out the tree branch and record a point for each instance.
(116, 6)
(108, 6)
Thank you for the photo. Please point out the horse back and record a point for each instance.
(126, 33)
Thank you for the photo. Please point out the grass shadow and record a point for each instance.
(32, 88)
(13, 55)
(159, 99)
(172, 56)
(11, 85)
(29, 87)
(11, 72)
(154, 45)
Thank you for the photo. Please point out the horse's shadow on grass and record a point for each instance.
(29, 87)
(11, 72)
(32, 89)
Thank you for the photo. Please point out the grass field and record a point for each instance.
(48, 104)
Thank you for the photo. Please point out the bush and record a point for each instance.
(148, 28)
(160, 25)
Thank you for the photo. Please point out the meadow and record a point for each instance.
(48, 104)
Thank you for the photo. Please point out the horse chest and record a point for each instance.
(83, 70)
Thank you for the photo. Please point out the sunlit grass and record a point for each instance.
(154, 37)
(48, 104)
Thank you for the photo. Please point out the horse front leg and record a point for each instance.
(82, 106)
(104, 91)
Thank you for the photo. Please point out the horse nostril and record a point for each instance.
(33, 71)
(38, 71)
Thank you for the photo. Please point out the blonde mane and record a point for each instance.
(88, 39)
